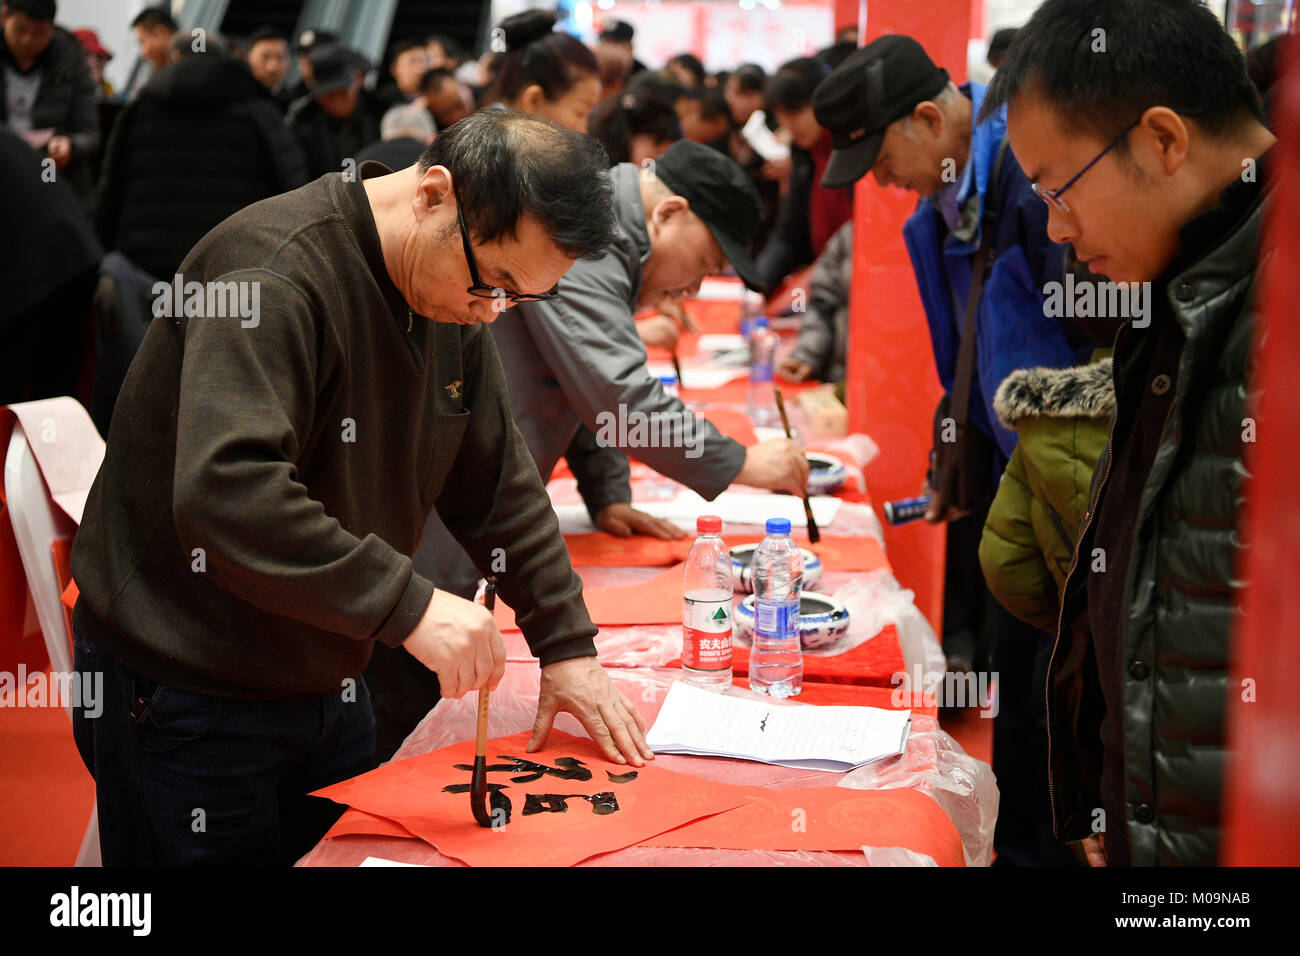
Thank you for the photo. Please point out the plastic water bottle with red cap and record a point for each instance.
(776, 659)
(707, 593)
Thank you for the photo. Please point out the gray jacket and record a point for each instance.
(571, 363)
(824, 330)
(577, 360)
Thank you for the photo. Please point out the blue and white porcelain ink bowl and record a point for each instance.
(742, 573)
(822, 619)
(826, 473)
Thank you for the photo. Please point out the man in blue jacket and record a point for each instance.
(892, 112)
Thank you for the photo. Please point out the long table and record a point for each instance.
(644, 660)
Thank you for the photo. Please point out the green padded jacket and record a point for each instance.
(1060, 416)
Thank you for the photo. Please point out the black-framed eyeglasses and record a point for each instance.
(481, 289)
(1053, 196)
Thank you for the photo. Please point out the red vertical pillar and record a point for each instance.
(1262, 779)
(846, 13)
(892, 384)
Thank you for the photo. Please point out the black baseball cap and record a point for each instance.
(311, 37)
(720, 194)
(333, 66)
(873, 87)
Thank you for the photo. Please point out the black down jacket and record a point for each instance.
(1168, 651)
(201, 141)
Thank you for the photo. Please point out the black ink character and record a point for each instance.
(602, 804)
(498, 801)
(570, 768)
(621, 777)
(762, 726)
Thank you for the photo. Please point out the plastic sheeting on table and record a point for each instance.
(933, 763)
(874, 601)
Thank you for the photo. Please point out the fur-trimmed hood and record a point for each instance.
(1081, 391)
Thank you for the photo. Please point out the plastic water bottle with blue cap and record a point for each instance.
(776, 659)
(761, 401)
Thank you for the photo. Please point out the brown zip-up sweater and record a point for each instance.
(267, 478)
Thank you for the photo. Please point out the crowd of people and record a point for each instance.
(1087, 465)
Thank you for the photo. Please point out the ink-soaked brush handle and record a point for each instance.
(480, 742)
(814, 535)
(478, 782)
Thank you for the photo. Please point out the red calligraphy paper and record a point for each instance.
(872, 662)
(827, 818)
(657, 600)
(737, 391)
(732, 422)
(410, 793)
(837, 553)
(359, 823)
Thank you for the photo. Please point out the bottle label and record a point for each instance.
(706, 633)
(776, 619)
(761, 372)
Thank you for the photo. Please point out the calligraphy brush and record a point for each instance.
(813, 534)
(677, 367)
(478, 783)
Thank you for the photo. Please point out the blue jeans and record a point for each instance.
(185, 779)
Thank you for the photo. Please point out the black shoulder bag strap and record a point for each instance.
(960, 407)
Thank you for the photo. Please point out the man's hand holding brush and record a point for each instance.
(458, 640)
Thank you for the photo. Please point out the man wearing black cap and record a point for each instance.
(894, 113)
(338, 118)
(576, 366)
(570, 359)
(302, 47)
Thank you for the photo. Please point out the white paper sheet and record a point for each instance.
(711, 343)
(380, 861)
(736, 507)
(714, 289)
(698, 721)
(732, 507)
(699, 376)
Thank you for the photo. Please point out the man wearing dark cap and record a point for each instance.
(577, 367)
(579, 355)
(302, 47)
(892, 112)
(338, 118)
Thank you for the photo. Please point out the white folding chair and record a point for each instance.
(37, 524)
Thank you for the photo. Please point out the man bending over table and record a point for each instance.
(269, 468)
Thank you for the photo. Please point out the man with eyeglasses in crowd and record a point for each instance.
(246, 543)
(894, 113)
(1154, 170)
